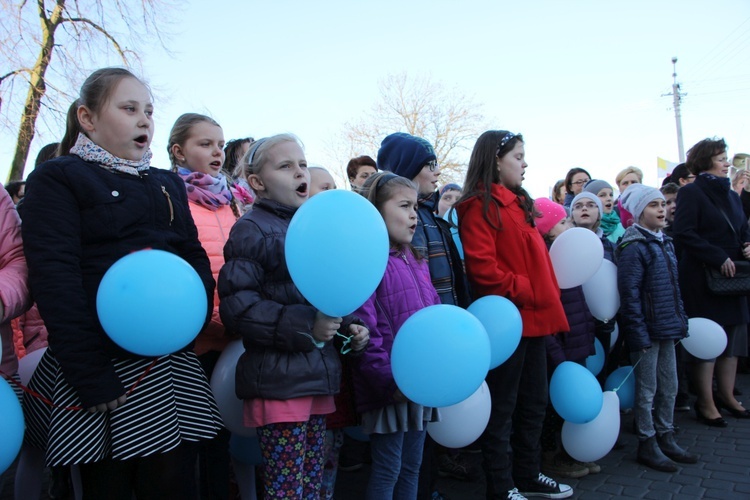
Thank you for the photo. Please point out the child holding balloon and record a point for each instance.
(396, 425)
(653, 318)
(131, 422)
(574, 345)
(505, 255)
(290, 369)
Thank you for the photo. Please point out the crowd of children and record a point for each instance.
(137, 426)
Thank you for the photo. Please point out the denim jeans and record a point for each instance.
(655, 387)
(396, 458)
(518, 389)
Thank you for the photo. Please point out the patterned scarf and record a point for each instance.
(609, 222)
(88, 151)
(206, 191)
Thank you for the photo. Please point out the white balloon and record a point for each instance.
(602, 295)
(27, 364)
(593, 440)
(222, 385)
(576, 255)
(613, 337)
(462, 424)
(706, 340)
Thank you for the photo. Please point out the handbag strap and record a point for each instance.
(724, 214)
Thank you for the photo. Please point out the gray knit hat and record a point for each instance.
(589, 196)
(595, 185)
(637, 197)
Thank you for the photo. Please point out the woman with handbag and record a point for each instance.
(712, 232)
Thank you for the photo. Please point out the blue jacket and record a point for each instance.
(705, 239)
(578, 343)
(434, 241)
(650, 302)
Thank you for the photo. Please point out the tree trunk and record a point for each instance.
(37, 88)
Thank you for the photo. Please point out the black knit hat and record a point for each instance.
(404, 154)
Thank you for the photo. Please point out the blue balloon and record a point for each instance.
(575, 393)
(440, 356)
(502, 320)
(152, 303)
(595, 362)
(11, 425)
(245, 449)
(626, 393)
(336, 250)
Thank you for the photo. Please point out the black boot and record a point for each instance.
(650, 455)
(670, 448)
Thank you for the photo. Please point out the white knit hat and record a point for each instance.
(637, 197)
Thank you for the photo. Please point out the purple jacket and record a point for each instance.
(405, 288)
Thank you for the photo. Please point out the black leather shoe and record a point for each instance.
(711, 422)
(735, 413)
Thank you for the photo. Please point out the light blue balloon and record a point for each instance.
(595, 362)
(336, 251)
(502, 321)
(152, 303)
(575, 393)
(440, 356)
(626, 393)
(11, 425)
(452, 216)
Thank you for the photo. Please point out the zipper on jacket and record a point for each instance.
(414, 277)
(674, 285)
(169, 202)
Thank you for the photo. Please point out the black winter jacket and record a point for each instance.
(650, 302)
(259, 301)
(78, 220)
(705, 239)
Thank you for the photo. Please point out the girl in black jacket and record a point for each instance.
(131, 422)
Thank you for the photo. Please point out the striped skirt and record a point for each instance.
(172, 403)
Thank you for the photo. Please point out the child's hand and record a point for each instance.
(104, 407)
(325, 327)
(360, 337)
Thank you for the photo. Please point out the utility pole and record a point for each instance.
(677, 98)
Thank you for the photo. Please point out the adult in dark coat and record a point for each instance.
(705, 210)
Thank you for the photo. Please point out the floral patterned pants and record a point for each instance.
(293, 458)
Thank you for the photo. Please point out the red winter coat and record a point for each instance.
(511, 262)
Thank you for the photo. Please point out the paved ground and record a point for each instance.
(723, 470)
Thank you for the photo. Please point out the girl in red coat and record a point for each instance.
(505, 255)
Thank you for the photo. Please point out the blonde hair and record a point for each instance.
(626, 171)
(256, 156)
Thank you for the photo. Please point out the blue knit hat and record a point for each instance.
(404, 154)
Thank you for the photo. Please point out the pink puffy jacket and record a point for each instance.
(213, 231)
(14, 289)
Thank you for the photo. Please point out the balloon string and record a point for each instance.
(49, 402)
(627, 376)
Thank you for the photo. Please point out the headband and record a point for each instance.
(385, 178)
(504, 140)
(253, 148)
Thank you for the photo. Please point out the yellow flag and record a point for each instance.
(664, 167)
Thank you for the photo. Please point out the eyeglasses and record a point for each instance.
(578, 183)
(432, 165)
(590, 205)
(346, 347)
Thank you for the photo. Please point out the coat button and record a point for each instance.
(115, 193)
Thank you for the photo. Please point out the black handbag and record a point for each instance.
(718, 284)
